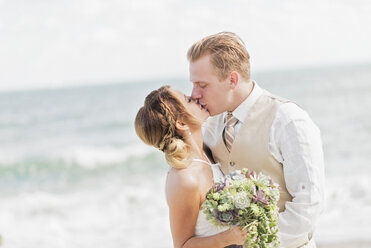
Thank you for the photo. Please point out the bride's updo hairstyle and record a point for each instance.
(155, 125)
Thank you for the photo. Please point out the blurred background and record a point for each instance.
(74, 73)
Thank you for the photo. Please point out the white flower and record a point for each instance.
(262, 180)
(241, 200)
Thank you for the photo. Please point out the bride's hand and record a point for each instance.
(237, 235)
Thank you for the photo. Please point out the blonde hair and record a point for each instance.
(155, 125)
(227, 53)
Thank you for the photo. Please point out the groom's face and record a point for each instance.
(208, 90)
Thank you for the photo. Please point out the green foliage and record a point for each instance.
(247, 200)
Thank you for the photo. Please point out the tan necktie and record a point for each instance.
(230, 122)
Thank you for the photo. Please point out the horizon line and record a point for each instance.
(112, 82)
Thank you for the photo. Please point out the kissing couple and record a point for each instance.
(228, 123)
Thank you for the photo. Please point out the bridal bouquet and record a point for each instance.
(248, 200)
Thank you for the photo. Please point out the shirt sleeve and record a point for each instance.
(295, 141)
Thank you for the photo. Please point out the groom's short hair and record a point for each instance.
(227, 53)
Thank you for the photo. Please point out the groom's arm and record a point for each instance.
(296, 142)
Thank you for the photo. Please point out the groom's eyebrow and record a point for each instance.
(198, 83)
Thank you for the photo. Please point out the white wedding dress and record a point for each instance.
(204, 227)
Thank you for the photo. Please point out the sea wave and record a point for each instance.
(348, 208)
(79, 163)
(93, 157)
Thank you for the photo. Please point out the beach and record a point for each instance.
(347, 244)
(74, 174)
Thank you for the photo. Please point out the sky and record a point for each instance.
(58, 43)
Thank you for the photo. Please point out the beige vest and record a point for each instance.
(251, 145)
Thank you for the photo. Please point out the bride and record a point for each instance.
(171, 122)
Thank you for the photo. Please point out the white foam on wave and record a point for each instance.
(93, 156)
(89, 157)
(347, 215)
(114, 213)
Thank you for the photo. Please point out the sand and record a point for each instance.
(347, 244)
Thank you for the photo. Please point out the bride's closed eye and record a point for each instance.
(187, 98)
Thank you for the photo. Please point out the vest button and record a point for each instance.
(232, 163)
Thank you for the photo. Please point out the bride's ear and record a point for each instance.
(181, 126)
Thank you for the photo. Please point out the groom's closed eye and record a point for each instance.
(202, 85)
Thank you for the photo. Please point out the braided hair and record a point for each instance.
(155, 125)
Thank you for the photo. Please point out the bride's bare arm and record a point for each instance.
(183, 197)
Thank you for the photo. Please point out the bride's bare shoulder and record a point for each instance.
(182, 178)
(181, 181)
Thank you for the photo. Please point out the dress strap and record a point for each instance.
(215, 169)
(202, 161)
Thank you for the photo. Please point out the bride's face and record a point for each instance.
(195, 109)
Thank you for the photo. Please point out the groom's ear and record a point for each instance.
(234, 79)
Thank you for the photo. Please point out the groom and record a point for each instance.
(253, 128)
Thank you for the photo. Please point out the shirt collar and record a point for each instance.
(244, 108)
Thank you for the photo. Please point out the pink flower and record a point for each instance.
(251, 174)
(260, 197)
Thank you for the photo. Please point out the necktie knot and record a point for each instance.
(230, 120)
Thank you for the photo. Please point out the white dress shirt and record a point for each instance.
(295, 142)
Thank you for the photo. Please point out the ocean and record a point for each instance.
(74, 174)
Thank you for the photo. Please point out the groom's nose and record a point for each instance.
(196, 93)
